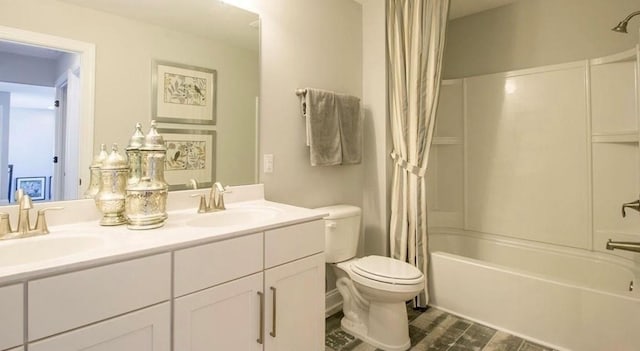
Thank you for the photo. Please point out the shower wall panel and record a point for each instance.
(527, 155)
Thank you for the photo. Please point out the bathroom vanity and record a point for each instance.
(248, 278)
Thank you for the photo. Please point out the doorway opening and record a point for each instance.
(67, 67)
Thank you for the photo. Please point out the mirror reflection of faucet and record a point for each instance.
(24, 228)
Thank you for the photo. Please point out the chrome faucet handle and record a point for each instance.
(202, 207)
(5, 224)
(41, 221)
(635, 205)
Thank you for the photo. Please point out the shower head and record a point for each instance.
(622, 26)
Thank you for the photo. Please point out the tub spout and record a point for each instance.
(623, 245)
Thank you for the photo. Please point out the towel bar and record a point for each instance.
(301, 92)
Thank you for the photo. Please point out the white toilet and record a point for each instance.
(374, 289)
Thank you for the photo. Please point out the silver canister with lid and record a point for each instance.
(110, 200)
(94, 168)
(146, 201)
(133, 155)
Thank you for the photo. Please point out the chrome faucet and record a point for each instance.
(623, 245)
(216, 199)
(24, 228)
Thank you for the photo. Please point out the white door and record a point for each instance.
(295, 299)
(57, 181)
(225, 317)
(145, 330)
(72, 143)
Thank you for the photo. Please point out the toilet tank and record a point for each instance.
(342, 231)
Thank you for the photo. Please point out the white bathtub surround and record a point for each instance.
(566, 298)
(415, 61)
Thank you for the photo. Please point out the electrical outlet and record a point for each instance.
(268, 163)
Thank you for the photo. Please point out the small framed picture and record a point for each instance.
(35, 187)
(190, 155)
(183, 94)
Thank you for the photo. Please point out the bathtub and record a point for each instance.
(565, 298)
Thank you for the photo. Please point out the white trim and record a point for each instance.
(87, 52)
(589, 152)
(333, 303)
(627, 55)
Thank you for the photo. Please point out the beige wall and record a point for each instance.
(306, 43)
(124, 51)
(377, 139)
(533, 33)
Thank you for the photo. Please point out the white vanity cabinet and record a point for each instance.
(294, 287)
(261, 291)
(295, 305)
(75, 311)
(11, 316)
(148, 329)
(272, 299)
(225, 317)
(217, 285)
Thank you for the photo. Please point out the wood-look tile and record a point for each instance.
(429, 319)
(435, 330)
(474, 338)
(502, 341)
(531, 346)
(435, 333)
(338, 340)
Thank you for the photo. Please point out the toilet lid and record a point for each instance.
(387, 270)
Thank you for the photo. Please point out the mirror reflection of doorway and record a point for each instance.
(35, 84)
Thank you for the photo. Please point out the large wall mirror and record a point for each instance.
(79, 73)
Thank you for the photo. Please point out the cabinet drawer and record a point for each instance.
(71, 300)
(11, 316)
(290, 243)
(145, 330)
(203, 266)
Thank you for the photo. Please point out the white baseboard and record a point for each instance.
(333, 303)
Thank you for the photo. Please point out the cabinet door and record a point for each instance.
(295, 305)
(225, 317)
(11, 316)
(145, 330)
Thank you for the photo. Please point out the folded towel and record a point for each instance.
(348, 109)
(323, 127)
(334, 127)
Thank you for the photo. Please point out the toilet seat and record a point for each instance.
(387, 270)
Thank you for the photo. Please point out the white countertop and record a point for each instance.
(120, 243)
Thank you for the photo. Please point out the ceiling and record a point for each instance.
(213, 19)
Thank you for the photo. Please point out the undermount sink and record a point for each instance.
(234, 216)
(46, 247)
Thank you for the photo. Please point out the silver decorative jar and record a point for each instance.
(110, 200)
(146, 201)
(133, 155)
(94, 180)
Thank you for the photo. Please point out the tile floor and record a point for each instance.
(435, 330)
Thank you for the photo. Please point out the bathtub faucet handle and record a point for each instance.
(633, 205)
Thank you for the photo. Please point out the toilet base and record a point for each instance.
(387, 327)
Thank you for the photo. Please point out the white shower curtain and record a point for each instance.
(415, 34)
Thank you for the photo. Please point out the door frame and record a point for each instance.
(87, 57)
